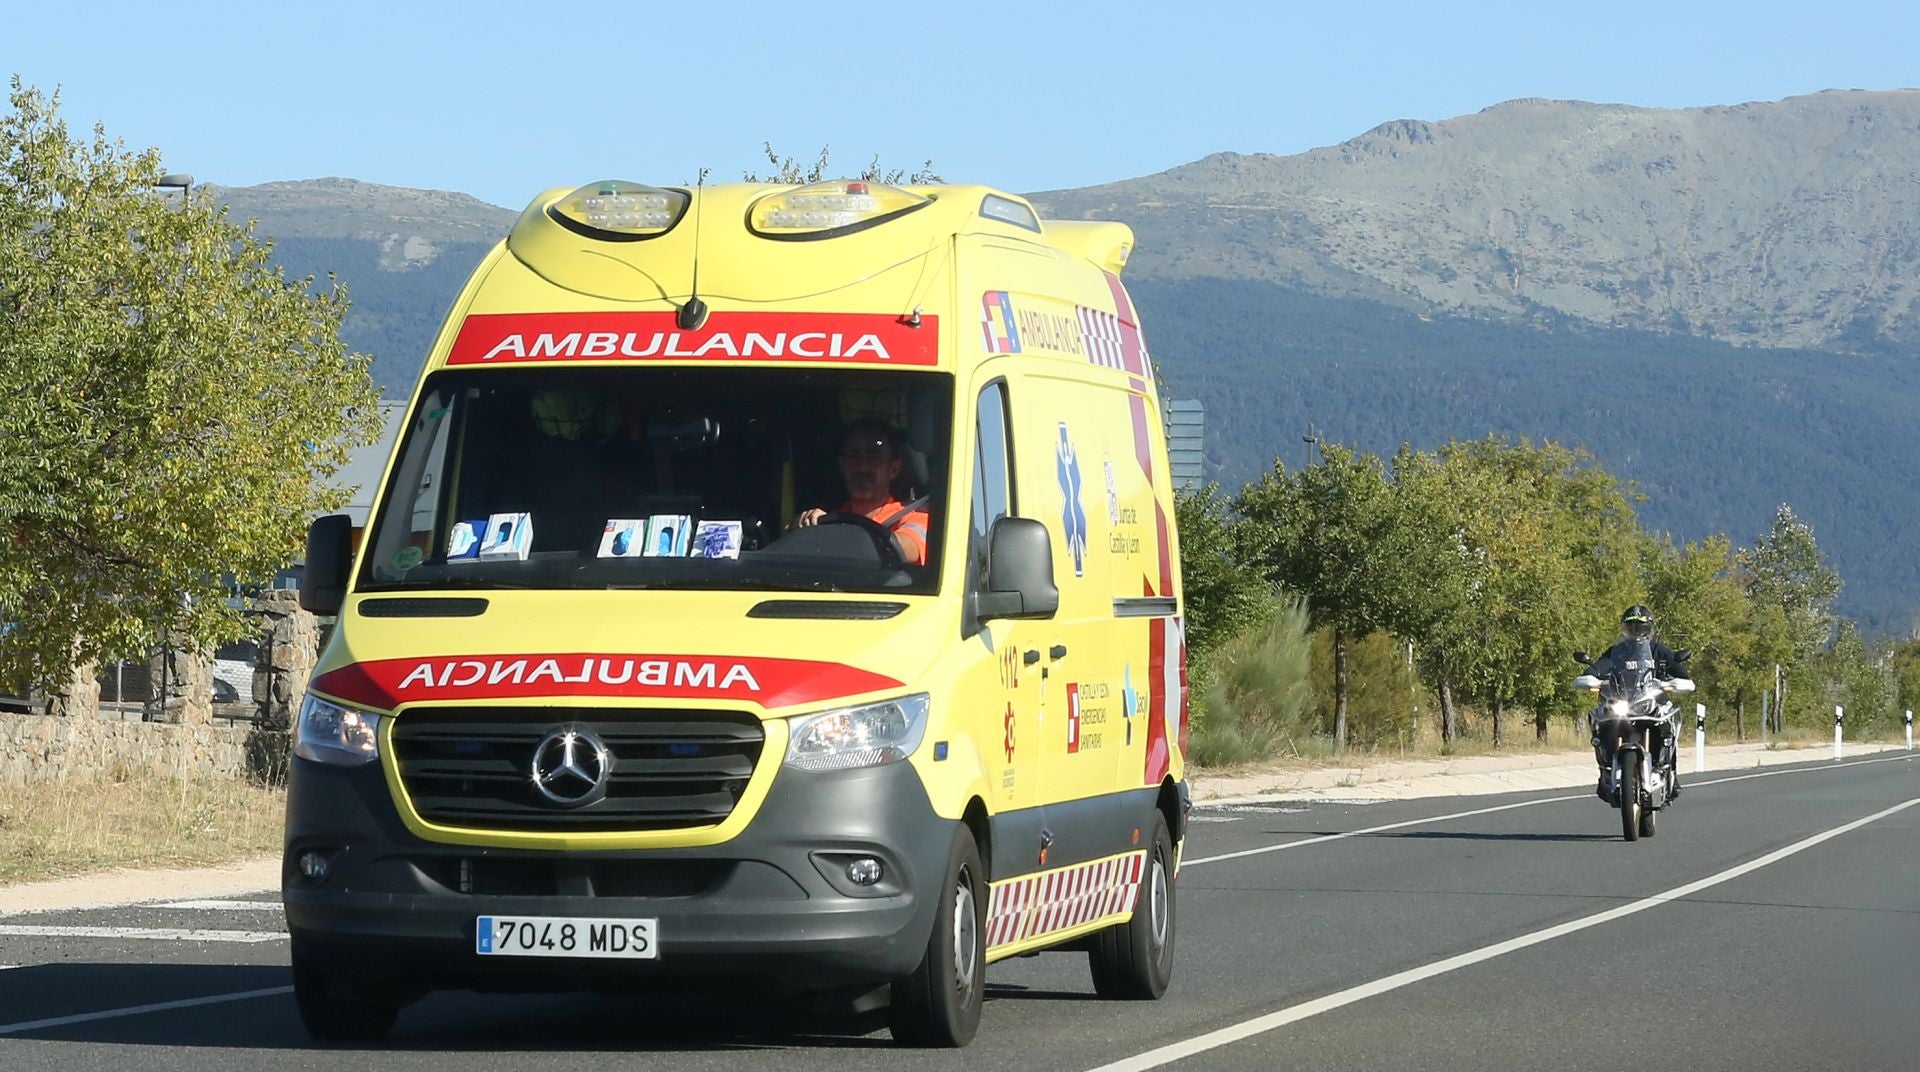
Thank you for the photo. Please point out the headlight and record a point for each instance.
(329, 733)
(851, 737)
(1619, 708)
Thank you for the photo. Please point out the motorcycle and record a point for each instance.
(1635, 718)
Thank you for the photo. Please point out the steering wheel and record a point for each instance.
(891, 556)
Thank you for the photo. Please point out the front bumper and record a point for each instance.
(771, 906)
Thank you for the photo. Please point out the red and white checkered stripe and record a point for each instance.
(1060, 900)
(1101, 333)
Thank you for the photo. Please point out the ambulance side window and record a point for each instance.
(992, 478)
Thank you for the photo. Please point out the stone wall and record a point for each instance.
(177, 735)
(44, 748)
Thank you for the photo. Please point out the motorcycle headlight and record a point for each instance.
(329, 733)
(1619, 708)
(864, 736)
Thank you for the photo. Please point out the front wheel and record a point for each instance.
(1134, 960)
(939, 1003)
(334, 1009)
(1630, 797)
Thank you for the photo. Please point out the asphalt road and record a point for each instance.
(1773, 923)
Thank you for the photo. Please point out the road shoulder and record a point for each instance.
(133, 885)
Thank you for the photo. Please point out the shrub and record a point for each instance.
(1256, 690)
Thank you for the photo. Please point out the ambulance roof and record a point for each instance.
(836, 272)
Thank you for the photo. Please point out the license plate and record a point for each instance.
(561, 936)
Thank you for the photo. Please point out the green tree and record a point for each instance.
(1528, 551)
(1222, 597)
(1905, 663)
(1860, 678)
(1784, 571)
(172, 406)
(1331, 533)
(1435, 613)
(1696, 594)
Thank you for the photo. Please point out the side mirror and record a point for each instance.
(1019, 572)
(1586, 681)
(1581, 658)
(323, 588)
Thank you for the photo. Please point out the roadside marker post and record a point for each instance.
(1699, 737)
(1839, 717)
(1909, 729)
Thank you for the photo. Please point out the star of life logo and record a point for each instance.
(1073, 516)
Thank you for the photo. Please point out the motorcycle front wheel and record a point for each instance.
(1630, 798)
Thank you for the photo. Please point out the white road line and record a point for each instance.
(1261, 1024)
(1324, 838)
(8, 967)
(136, 1010)
(1801, 770)
(160, 934)
(220, 906)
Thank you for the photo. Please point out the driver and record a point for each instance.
(870, 461)
(1636, 625)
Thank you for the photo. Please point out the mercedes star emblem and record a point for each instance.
(570, 767)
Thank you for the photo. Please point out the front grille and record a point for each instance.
(473, 767)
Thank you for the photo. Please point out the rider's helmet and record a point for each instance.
(1637, 621)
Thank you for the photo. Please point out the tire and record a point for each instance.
(1133, 961)
(939, 1004)
(1630, 797)
(1646, 821)
(334, 1010)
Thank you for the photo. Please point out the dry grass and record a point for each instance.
(134, 819)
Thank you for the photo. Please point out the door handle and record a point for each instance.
(1058, 651)
(1030, 658)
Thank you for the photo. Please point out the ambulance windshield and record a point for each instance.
(556, 478)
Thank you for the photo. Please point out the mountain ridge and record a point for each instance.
(1705, 220)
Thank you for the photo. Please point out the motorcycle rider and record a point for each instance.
(1636, 627)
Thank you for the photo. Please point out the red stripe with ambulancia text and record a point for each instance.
(384, 684)
(838, 338)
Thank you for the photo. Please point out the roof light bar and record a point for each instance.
(620, 210)
(825, 209)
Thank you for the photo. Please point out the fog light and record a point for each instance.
(866, 871)
(313, 865)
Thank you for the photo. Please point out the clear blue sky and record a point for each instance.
(503, 100)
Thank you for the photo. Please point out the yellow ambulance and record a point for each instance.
(771, 585)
